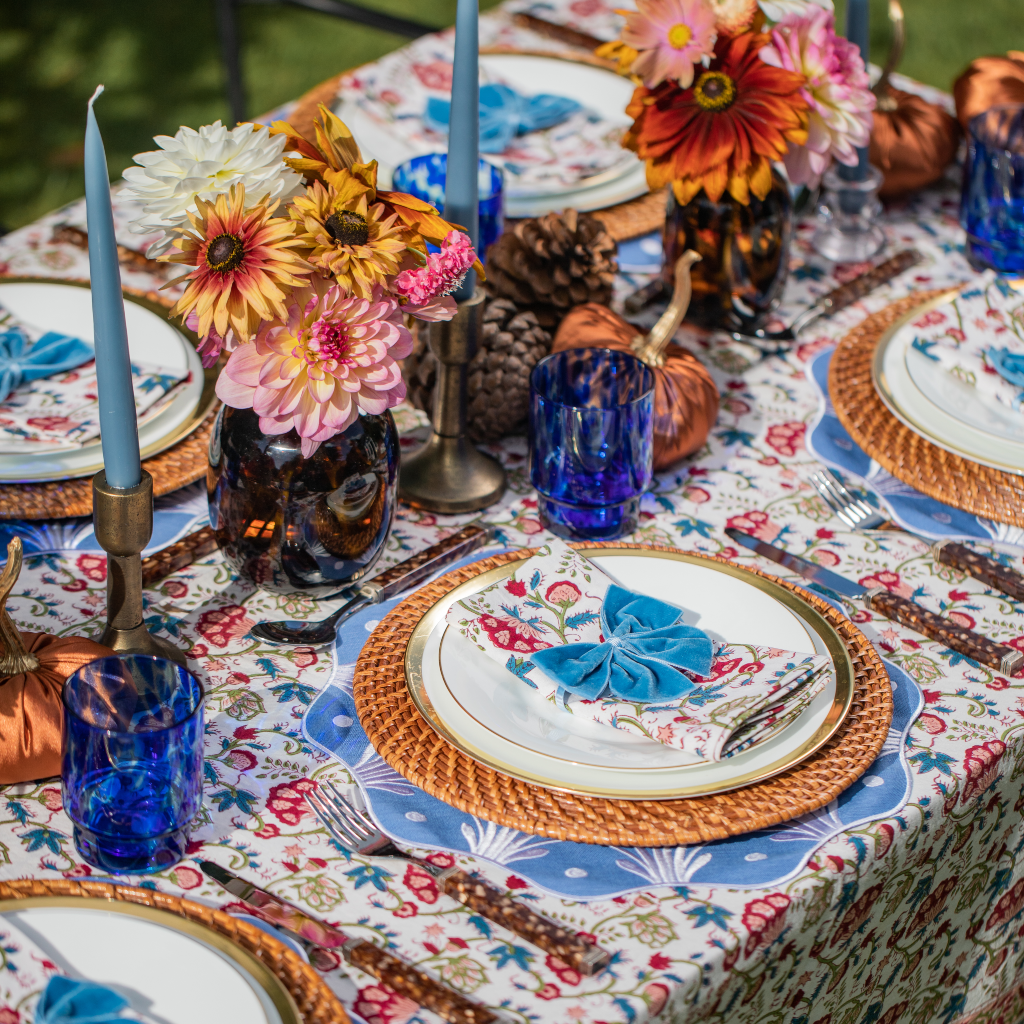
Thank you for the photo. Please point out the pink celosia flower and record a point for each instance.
(836, 90)
(333, 358)
(425, 289)
(670, 36)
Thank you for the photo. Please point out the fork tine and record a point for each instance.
(327, 820)
(361, 815)
(838, 507)
(343, 811)
(858, 508)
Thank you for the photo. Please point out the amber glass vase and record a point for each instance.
(291, 524)
(744, 255)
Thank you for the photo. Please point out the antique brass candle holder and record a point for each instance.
(449, 474)
(123, 521)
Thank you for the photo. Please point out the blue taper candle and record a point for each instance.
(119, 427)
(857, 24)
(461, 200)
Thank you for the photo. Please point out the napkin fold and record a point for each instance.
(70, 1001)
(23, 360)
(504, 114)
(564, 628)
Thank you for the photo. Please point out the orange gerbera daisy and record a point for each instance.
(725, 130)
(245, 266)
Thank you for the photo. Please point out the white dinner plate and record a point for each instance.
(491, 715)
(152, 338)
(173, 970)
(933, 403)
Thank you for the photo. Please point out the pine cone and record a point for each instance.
(498, 384)
(552, 263)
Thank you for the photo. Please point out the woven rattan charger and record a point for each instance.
(181, 464)
(908, 456)
(404, 738)
(315, 1001)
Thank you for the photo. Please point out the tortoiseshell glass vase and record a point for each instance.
(744, 253)
(290, 524)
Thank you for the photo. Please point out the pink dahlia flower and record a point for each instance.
(837, 92)
(210, 347)
(425, 290)
(334, 357)
(671, 36)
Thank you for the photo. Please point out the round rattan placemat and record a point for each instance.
(315, 1001)
(59, 499)
(404, 738)
(949, 478)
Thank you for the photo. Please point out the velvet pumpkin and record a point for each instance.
(989, 82)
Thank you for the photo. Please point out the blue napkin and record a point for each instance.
(645, 647)
(52, 353)
(1009, 365)
(68, 1001)
(504, 114)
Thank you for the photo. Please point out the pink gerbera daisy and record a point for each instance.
(670, 36)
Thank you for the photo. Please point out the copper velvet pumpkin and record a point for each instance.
(685, 396)
(989, 82)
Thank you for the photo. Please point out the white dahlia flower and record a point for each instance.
(205, 164)
(776, 10)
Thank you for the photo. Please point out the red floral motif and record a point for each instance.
(52, 798)
(93, 567)
(956, 334)
(857, 914)
(52, 422)
(1008, 907)
(890, 580)
(529, 526)
(764, 919)
(9, 1015)
(824, 534)
(241, 760)
(435, 75)
(981, 766)
(722, 667)
(421, 883)
(659, 962)
(516, 587)
(303, 657)
(515, 882)
(78, 871)
(931, 724)
(175, 589)
(999, 683)
(930, 319)
(826, 557)
(587, 8)
(287, 803)
(186, 877)
(961, 619)
(757, 524)
(563, 592)
(441, 860)
(933, 904)
(510, 635)
(379, 1005)
(566, 974)
(406, 910)
(549, 991)
(894, 1014)
(884, 837)
(697, 495)
(656, 995)
(997, 962)
(269, 831)
(244, 732)
(222, 625)
(75, 586)
(786, 438)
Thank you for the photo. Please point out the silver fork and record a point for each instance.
(853, 511)
(354, 831)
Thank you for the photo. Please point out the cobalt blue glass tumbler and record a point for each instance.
(424, 177)
(591, 448)
(992, 205)
(132, 770)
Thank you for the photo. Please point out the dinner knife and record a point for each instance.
(396, 974)
(965, 641)
(981, 567)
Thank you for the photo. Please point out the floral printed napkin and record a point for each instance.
(24, 972)
(555, 598)
(978, 337)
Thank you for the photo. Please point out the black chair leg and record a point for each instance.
(227, 27)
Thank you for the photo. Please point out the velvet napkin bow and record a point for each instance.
(644, 649)
(504, 114)
(70, 1001)
(52, 353)
(1009, 365)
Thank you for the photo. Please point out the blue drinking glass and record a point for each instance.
(591, 448)
(132, 770)
(424, 177)
(992, 205)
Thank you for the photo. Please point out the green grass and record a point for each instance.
(161, 65)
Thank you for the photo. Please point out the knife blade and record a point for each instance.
(397, 975)
(958, 638)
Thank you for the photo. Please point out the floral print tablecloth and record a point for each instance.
(919, 918)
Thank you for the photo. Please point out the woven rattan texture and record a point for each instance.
(403, 737)
(316, 1002)
(949, 478)
(183, 464)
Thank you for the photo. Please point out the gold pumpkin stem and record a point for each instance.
(15, 659)
(886, 102)
(651, 349)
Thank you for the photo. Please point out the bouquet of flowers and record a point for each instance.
(304, 271)
(727, 87)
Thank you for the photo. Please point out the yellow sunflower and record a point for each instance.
(346, 236)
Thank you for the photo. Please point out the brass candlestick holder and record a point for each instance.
(449, 474)
(123, 521)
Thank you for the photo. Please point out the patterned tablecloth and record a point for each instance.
(916, 918)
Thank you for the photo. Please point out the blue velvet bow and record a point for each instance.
(69, 1001)
(645, 647)
(52, 353)
(504, 114)
(1009, 365)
